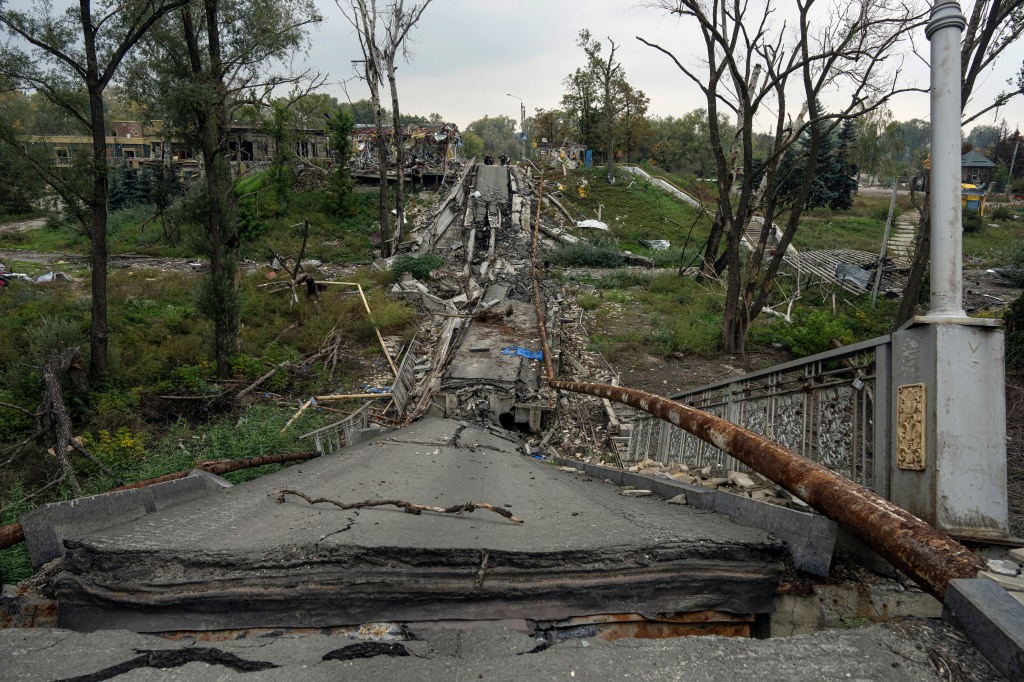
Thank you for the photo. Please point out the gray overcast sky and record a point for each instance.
(469, 53)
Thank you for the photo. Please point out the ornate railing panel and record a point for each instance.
(832, 408)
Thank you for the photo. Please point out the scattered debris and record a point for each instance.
(657, 244)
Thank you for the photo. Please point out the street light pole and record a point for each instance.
(943, 32)
(1013, 159)
(522, 120)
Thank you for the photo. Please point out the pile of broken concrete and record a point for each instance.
(745, 484)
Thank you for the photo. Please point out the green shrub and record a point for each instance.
(417, 266)
(1003, 212)
(587, 255)
(15, 565)
(1014, 318)
(1015, 272)
(881, 213)
(588, 302)
(971, 222)
(812, 332)
(699, 335)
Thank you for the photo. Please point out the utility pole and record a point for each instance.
(1009, 178)
(522, 120)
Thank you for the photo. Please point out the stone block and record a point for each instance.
(172, 493)
(358, 436)
(47, 527)
(1011, 583)
(991, 619)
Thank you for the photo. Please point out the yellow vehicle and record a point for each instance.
(972, 199)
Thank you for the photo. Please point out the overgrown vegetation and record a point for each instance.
(163, 407)
(419, 267)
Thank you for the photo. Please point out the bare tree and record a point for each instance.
(397, 25)
(768, 75)
(383, 35)
(993, 26)
(609, 77)
(68, 53)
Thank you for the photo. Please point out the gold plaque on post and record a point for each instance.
(910, 423)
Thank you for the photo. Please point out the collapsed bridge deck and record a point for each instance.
(239, 559)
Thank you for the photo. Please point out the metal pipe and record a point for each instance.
(548, 367)
(928, 556)
(944, 29)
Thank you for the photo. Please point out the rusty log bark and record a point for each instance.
(225, 466)
(928, 556)
(10, 535)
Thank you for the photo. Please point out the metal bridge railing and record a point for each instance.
(832, 408)
(333, 437)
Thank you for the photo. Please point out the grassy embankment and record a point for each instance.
(642, 312)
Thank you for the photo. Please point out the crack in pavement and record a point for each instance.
(351, 522)
(367, 650)
(173, 658)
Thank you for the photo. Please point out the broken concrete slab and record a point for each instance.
(991, 619)
(241, 559)
(810, 538)
(47, 527)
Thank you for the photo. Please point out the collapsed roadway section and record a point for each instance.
(243, 558)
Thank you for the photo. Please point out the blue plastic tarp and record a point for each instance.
(526, 353)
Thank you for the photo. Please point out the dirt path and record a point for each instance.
(127, 260)
(22, 226)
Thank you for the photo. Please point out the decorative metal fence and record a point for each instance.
(832, 408)
(333, 437)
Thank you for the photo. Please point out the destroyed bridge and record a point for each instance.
(449, 546)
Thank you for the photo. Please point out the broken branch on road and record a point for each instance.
(408, 507)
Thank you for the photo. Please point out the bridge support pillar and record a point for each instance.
(948, 463)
